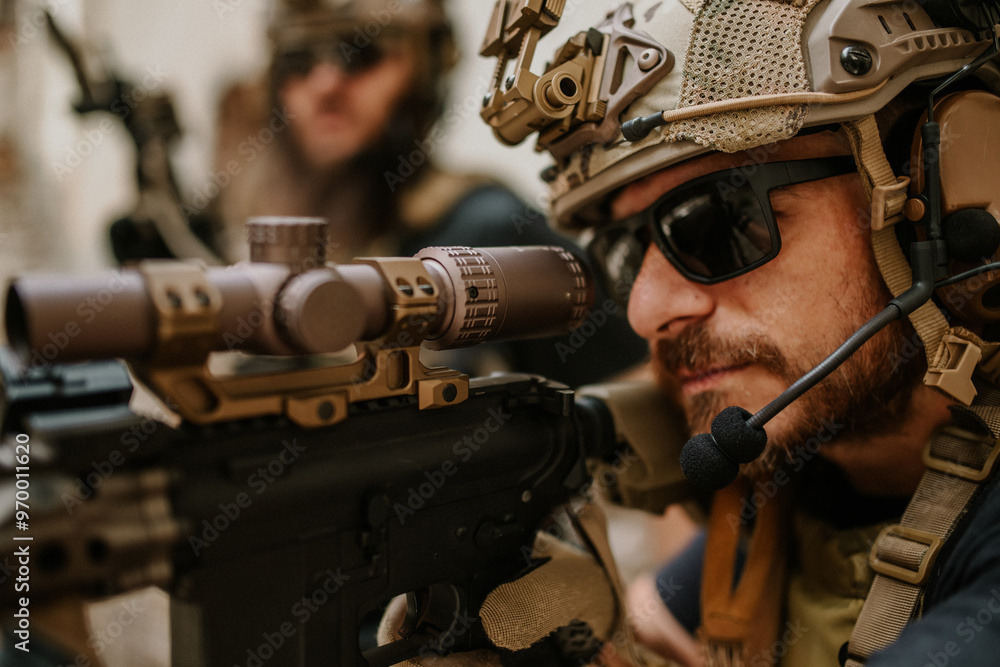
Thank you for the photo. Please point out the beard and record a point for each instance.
(867, 395)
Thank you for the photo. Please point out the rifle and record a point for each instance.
(290, 505)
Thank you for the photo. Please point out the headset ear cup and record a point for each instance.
(976, 300)
(970, 191)
(972, 15)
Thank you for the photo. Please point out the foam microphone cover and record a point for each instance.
(705, 465)
(971, 234)
(737, 439)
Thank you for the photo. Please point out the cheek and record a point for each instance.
(297, 104)
(294, 96)
(823, 278)
(380, 91)
(824, 239)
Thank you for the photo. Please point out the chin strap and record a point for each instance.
(952, 353)
(960, 458)
(887, 195)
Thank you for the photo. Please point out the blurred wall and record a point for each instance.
(27, 198)
(74, 175)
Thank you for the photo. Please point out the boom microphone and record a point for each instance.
(711, 460)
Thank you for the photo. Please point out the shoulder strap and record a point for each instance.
(959, 459)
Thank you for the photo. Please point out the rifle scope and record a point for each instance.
(281, 305)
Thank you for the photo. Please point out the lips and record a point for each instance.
(694, 381)
(330, 118)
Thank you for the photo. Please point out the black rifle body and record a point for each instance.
(290, 540)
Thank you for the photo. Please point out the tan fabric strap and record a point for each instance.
(593, 524)
(572, 585)
(519, 613)
(959, 458)
(873, 165)
(882, 186)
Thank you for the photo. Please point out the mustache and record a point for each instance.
(330, 103)
(696, 349)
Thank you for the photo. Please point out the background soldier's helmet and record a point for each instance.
(354, 31)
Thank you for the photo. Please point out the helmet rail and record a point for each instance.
(579, 97)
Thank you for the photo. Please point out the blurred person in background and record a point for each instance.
(344, 125)
(340, 128)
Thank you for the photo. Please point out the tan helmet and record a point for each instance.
(728, 74)
(357, 23)
(655, 82)
(300, 19)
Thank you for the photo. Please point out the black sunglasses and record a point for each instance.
(712, 228)
(341, 51)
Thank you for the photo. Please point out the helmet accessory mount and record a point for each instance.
(592, 79)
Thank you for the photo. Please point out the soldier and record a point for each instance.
(757, 182)
(352, 92)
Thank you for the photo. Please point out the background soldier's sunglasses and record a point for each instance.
(710, 229)
(339, 50)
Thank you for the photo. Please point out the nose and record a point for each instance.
(326, 76)
(663, 303)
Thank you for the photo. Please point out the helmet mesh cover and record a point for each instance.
(744, 49)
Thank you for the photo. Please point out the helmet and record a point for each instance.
(728, 74)
(295, 21)
(657, 82)
(356, 24)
